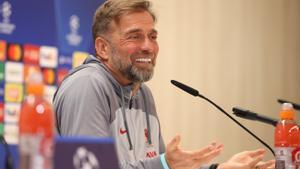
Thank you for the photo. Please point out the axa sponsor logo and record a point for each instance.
(6, 27)
(73, 37)
(151, 154)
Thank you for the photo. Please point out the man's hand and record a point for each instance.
(180, 159)
(266, 165)
(248, 160)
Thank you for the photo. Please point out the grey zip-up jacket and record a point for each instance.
(90, 102)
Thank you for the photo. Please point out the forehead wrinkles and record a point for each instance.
(129, 22)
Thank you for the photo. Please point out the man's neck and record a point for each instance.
(135, 88)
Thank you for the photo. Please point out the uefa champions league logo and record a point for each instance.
(5, 26)
(73, 38)
(6, 11)
(84, 159)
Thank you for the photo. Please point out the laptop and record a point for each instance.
(85, 153)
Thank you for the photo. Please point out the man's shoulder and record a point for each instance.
(87, 73)
(87, 77)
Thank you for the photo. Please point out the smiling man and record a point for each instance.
(106, 96)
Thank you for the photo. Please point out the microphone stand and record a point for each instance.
(238, 123)
(194, 92)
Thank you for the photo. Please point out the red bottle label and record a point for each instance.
(296, 157)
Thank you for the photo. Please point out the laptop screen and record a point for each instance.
(85, 153)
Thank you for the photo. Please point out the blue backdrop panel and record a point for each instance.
(74, 23)
(65, 24)
(34, 21)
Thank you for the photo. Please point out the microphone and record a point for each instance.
(295, 105)
(247, 114)
(195, 93)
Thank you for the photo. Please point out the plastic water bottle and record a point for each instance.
(287, 139)
(36, 126)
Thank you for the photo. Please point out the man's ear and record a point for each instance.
(101, 47)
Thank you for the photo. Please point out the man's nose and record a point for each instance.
(148, 46)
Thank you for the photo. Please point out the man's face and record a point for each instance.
(133, 47)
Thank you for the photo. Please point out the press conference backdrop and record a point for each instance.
(237, 53)
(51, 35)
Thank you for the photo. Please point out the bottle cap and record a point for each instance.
(35, 89)
(287, 111)
(34, 82)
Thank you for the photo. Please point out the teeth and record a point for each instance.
(145, 60)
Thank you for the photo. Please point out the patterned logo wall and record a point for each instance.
(15, 62)
(53, 38)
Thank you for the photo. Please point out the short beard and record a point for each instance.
(135, 75)
(128, 70)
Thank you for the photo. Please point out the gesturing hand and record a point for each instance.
(266, 165)
(247, 160)
(180, 159)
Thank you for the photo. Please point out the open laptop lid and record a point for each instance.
(85, 153)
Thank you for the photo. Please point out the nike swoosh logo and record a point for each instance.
(122, 131)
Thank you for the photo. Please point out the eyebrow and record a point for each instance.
(138, 30)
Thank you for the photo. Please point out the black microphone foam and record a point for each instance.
(247, 114)
(195, 92)
(186, 88)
